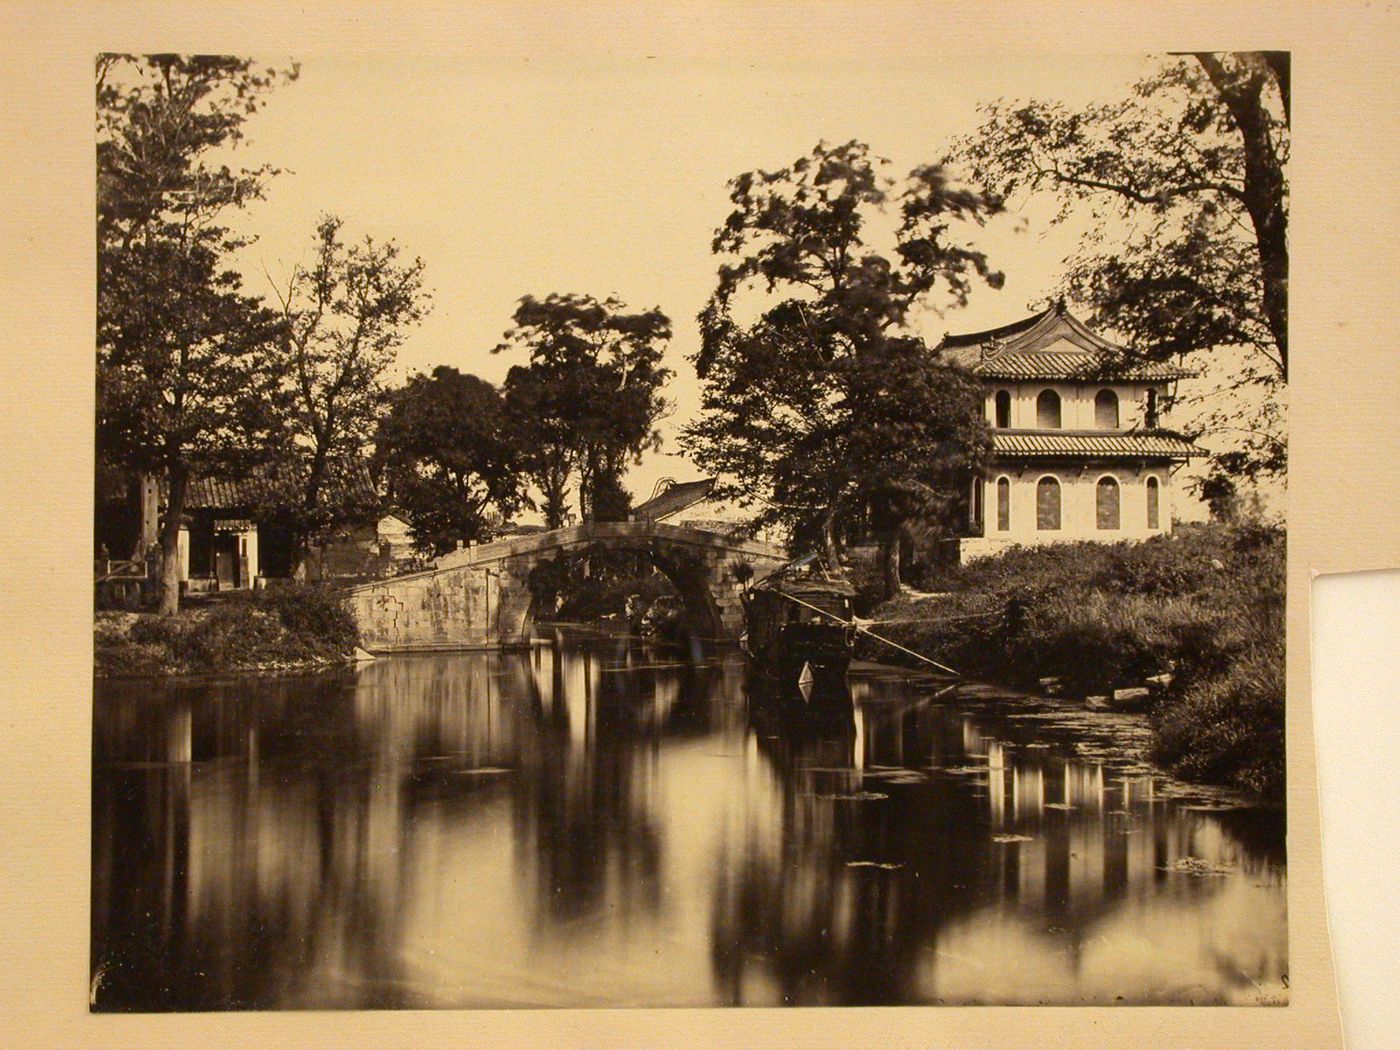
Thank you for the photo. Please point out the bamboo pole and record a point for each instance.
(872, 634)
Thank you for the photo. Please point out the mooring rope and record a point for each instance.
(938, 619)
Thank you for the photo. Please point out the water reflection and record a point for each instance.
(602, 824)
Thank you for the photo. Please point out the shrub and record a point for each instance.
(248, 631)
(132, 659)
(233, 634)
(111, 628)
(1206, 603)
(156, 630)
(1229, 729)
(1099, 641)
(315, 615)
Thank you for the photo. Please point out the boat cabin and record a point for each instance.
(788, 614)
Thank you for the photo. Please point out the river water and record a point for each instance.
(597, 822)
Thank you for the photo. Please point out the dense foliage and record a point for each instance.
(452, 457)
(343, 318)
(1205, 605)
(264, 630)
(608, 586)
(819, 402)
(1191, 168)
(588, 399)
(181, 387)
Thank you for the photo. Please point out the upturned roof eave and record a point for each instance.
(1026, 331)
(1018, 329)
(680, 496)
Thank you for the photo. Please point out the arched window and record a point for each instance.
(1047, 410)
(976, 515)
(1003, 504)
(1003, 406)
(1154, 503)
(1150, 413)
(1107, 503)
(1047, 504)
(1106, 410)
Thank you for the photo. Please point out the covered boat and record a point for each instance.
(800, 633)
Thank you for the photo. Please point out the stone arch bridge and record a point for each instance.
(480, 597)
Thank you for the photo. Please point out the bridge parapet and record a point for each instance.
(605, 531)
(480, 597)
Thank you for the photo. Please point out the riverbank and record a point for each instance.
(261, 631)
(1201, 612)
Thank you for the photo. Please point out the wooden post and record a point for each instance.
(148, 533)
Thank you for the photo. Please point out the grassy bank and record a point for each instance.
(262, 631)
(1205, 606)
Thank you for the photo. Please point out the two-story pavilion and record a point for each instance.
(1079, 443)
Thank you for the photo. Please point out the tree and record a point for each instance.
(541, 400)
(1193, 167)
(590, 397)
(343, 319)
(182, 387)
(451, 456)
(826, 405)
(919, 438)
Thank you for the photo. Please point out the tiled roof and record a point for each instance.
(265, 488)
(230, 493)
(1056, 444)
(1053, 344)
(675, 498)
(1006, 331)
(1081, 364)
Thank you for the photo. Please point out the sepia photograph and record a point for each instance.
(581, 531)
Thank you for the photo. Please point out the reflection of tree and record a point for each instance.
(181, 917)
(705, 698)
(140, 829)
(815, 912)
(837, 895)
(282, 844)
(583, 803)
(279, 855)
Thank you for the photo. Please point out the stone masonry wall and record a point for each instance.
(480, 597)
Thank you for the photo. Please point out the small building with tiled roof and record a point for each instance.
(233, 538)
(672, 498)
(692, 504)
(1081, 450)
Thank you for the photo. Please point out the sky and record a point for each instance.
(607, 176)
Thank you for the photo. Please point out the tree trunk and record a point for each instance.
(1271, 226)
(552, 477)
(310, 501)
(148, 531)
(301, 552)
(588, 474)
(889, 558)
(829, 551)
(168, 589)
(554, 506)
(1264, 189)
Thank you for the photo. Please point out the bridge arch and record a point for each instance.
(481, 597)
(686, 574)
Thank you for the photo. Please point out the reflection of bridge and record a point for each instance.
(481, 597)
